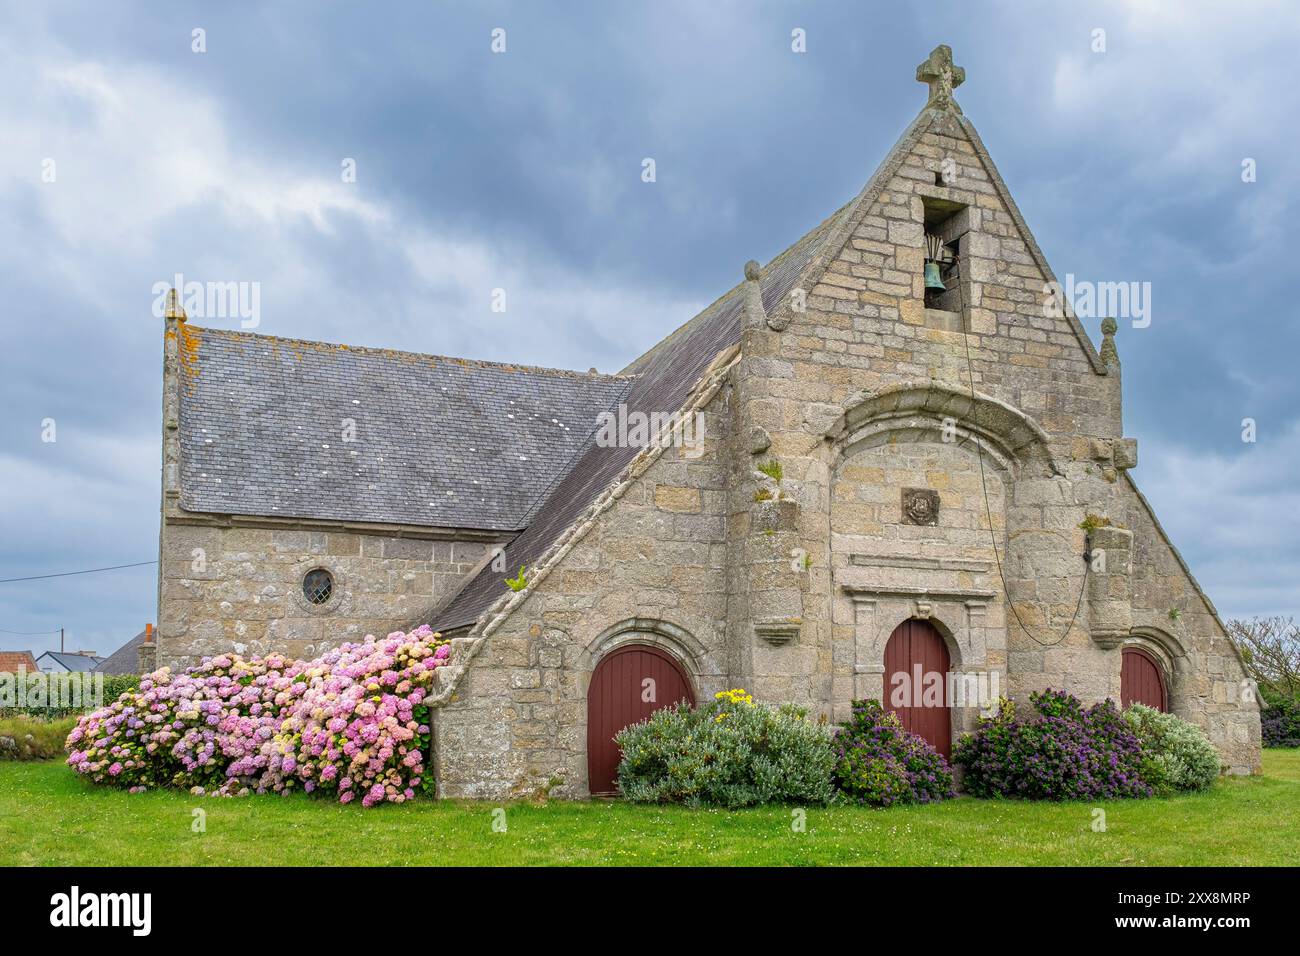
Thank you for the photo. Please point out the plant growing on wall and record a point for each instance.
(1092, 522)
(519, 583)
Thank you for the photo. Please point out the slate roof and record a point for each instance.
(664, 377)
(52, 661)
(439, 442)
(10, 661)
(124, 660)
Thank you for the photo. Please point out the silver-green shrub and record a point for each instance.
(730, 753)
(1176, 755)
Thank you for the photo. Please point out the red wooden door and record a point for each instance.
(915, 653)
(627, 686)
(1140, 680)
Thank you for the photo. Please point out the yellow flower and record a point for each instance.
(736, 695)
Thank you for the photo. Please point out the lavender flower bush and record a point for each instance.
(1065, 752)
(879, 763)
(352, 723)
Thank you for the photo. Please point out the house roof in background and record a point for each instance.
(67, 662)
(10, 661)
(439, 442)
(124, 660)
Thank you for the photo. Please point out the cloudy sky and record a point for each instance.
(522, 171)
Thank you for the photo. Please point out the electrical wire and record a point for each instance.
(64, 574)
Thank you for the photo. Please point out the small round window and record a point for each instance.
(317, 586)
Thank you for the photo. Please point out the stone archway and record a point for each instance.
(1142, 680)
(1007, 435)
(628, 684)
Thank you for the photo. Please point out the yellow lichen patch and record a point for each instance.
(187, 350)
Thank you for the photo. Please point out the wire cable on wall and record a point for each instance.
(988, 511)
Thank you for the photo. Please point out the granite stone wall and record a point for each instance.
(240, 588)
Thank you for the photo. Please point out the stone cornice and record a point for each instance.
(869, 591)
(205, 519)
(912, 561)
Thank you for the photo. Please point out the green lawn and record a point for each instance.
(50, 816)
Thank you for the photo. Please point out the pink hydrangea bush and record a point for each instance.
(351, 723)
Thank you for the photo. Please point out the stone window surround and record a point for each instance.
(917, 409)
(340, 600)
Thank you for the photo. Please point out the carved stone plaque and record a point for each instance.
(920, 506)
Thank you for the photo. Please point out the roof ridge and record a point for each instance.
(244, 334)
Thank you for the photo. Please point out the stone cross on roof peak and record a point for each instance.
(943, 78)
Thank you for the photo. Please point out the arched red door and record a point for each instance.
(1140, 680)
(627, 686)
(916, 682)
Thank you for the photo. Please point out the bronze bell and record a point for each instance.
(932, 278)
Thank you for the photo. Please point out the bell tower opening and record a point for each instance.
(946, 226)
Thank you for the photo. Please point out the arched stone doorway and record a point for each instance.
(1142, 680)
(916, 682)
(629, 684)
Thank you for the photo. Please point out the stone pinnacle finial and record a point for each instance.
(755, 314)
(942, 77)
(1109, 355)
(174, 310)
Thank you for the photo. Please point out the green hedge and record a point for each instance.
(43, 689)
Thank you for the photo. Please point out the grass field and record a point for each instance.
(49, 816)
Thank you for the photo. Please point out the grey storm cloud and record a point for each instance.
(522, 171)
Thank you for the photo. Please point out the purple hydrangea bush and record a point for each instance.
(879, 763)
(1063, 752)
(352, 723)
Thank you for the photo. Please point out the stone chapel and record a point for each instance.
(889, 453)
